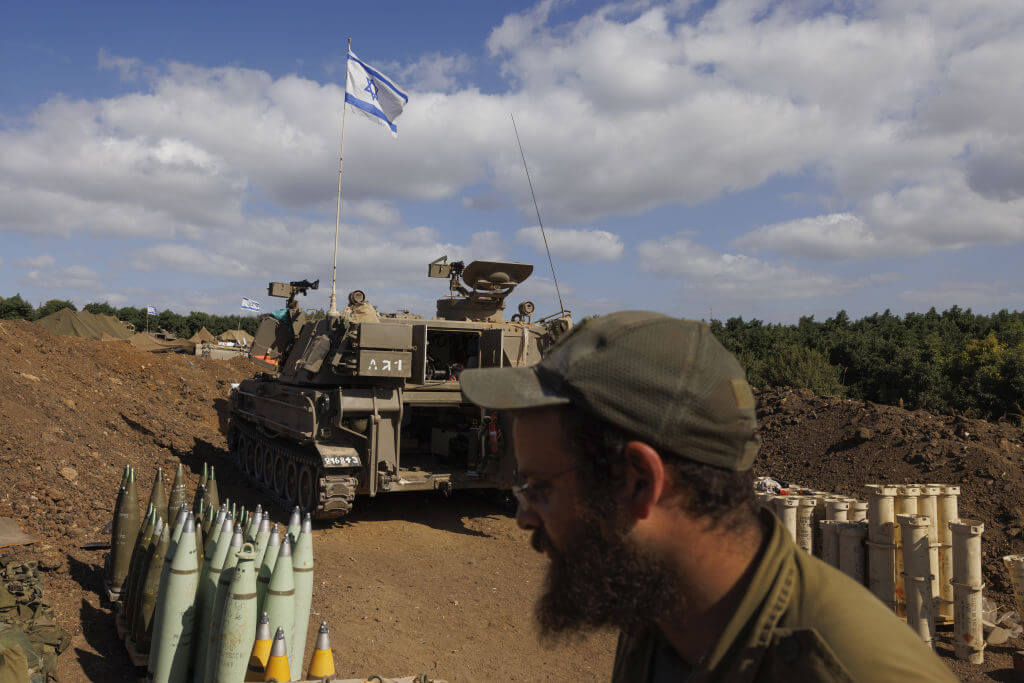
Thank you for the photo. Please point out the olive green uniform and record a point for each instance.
(800, 620)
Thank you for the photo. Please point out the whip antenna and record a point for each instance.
(558, 292)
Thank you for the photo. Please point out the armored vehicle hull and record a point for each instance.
(365, 404)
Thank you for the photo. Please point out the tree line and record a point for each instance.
(954, 361)
(16, 307)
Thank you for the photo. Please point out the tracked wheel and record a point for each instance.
(246, 455)
(306, 495)
(291, 474)
(291, 483)
(280, 471)
(257, 473)
(263, 467)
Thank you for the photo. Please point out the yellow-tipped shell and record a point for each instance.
(260, 650)
(322, 664)
(277, 664)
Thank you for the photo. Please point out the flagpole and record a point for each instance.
(333, 311)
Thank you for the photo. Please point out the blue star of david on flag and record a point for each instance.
(373, 94)
(370, 89)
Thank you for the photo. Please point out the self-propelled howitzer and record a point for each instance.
(370, 403)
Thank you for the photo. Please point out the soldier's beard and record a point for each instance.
(601, 579)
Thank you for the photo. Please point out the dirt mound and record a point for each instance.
(75, 411)
(840, 445)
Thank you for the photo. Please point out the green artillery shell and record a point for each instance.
(254, 524)
(239, 620)
(199, 499)
(302, 567)
(214, 533)
(172, 635)
(262, 537)
(267, 568)
(161, 593)
(294, 527)
(207, 593)
(199, 541)
(157, 497)
(139, 555)
(280, 602)
(142, 629)
(220, 600)
(211, 497)
(108, 574)
(179, 493)
(108, 570)
(126, 530)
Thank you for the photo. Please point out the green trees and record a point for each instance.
(100, 308)
(956, 360)
(15, 307)
(52, 306)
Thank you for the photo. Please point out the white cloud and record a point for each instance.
(830, 236)
(875, 102)
(733, 275)
(59, 281)
(907, 114)
(115, 299)
(574, 244)
(943, 214)
(487, 245)
(188, 258)
(979, 296)
(37, 262)
(995, 168)
(378, 259)
(371, 210)
(434, 72)
(128, 68)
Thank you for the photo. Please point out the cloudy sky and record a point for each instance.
(746, 157)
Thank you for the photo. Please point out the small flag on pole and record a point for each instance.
(250, 304)
(151, 310)
(373, 94)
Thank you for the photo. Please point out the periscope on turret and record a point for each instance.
(366, 403)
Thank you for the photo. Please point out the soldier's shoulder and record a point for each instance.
(852, 626)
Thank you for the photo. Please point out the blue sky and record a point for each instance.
(745, 157)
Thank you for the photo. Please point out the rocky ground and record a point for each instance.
(410, 583)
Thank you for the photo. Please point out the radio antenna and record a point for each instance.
(558, 292)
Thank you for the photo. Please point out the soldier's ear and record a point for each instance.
(645, 478)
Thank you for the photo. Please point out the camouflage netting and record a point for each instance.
(30, 640)
(84, 324)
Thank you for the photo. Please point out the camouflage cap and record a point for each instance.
(666, 380)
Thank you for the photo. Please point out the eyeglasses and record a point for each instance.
(534, 493)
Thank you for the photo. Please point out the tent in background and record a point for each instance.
(84, 324)
(203, 335)
(239, 337)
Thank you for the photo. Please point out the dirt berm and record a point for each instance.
(408, 583)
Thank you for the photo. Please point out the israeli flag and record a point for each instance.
(250, 304)
(151, 310)
(373, 94)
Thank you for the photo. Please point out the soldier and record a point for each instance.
(635, 437)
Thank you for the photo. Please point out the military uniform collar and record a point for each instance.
(748, 633)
